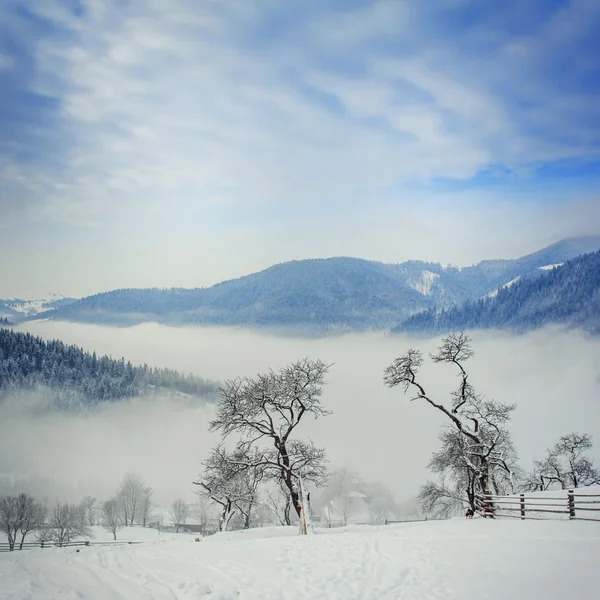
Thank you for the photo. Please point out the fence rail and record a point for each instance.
(522, 506)
(5, 547)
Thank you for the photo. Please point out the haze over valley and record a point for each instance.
(373, 429)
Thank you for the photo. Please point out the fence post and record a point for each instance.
(571, 504)
(42, 544)
(87, 542)
(489, 505)
(522, 506)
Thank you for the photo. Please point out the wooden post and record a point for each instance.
(571, 504)
(305, 517)
(522, 506)
(489, 505)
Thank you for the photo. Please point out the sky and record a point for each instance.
(180, 143)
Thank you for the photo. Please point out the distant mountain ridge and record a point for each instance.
(20, 308)
(567, 294)
(333, 294)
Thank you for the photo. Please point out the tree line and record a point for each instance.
(565, 294)
(68, 372)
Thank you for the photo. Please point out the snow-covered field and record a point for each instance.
(475, 560)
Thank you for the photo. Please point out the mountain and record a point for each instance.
(334, 294)
(566, 294)
(70, 376)
(16, 309)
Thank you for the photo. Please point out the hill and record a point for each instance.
(70, 375)
(334, 294)
(567, 294)
(16, 309)
(433, 560)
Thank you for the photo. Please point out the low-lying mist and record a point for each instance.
(553, 376)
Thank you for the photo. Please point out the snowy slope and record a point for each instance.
(20, 308)
(506, 285)
(425, 282)
(456, 559)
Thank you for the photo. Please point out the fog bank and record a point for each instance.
(552, 375)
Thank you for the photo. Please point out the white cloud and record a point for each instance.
(307, 124)
(172, 102)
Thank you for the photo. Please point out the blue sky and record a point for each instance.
(178, 142)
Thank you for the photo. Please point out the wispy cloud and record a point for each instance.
(118, 112)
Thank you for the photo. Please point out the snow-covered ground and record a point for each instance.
(471, 559)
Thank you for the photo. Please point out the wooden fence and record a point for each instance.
(29, 545)
(574, 506)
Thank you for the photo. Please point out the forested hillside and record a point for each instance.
(566, 294)
(67, 372)
(335, 294)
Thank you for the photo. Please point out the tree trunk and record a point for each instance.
(287, 476)
(226, 515)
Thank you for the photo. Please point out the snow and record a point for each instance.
(33, 306)
(550, 267)
(457, 267)
(459, 558)
(425, 282)
(506, 285)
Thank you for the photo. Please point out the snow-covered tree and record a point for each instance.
(564, 465)
(202, 511)
(268, 408)
(19, 516)
(131, 497)
(90, 510)
(178, 513)
(65, 524)
(230, 482)
(111, 516)
(486, 456)
(146, 505)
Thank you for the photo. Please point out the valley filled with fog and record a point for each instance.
(552, 375)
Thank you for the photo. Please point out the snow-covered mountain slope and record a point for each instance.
(334, 294)
(437, 560)
(425, 282)
(20, 308)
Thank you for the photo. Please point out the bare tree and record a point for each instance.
(479, 423)
(9, 519)
(65, 524)
(202, 512)
(280, 503)
(31, 516)
(131, 497)
(178, 514)
(111, 516)
(225, 481)
(146, 505)
(90, 510)
(269, 407)
(20, 515)
(565, 465)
